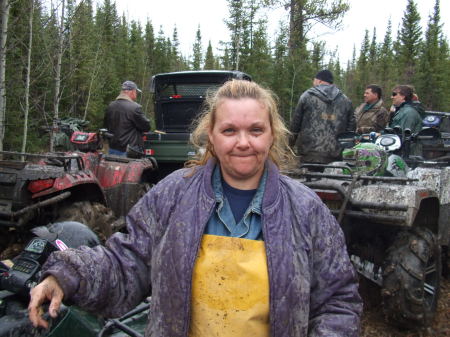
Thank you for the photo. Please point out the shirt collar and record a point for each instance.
(256, 203)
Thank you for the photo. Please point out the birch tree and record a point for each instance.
(4, 13)
(27, 80)
(57, 95)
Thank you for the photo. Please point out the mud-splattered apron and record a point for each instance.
(230, 289)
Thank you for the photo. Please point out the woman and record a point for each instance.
(227, 247)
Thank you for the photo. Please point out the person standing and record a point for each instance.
(273, 263)
(322, 112)
(371, 115)
(125, 119)
(405, 115)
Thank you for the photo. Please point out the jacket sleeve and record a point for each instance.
(296, 122)
(382, 119)
(335, 306)
(109, 280)
(411, 120)
(351, 121)
(141, 122)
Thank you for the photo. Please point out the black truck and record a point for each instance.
(178, 100)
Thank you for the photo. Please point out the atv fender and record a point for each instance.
(439, 181)
(414, 198)
(113, 171)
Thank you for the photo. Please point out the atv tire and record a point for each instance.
(411, 279)
(93, 214)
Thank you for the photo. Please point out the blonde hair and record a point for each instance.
(280, 152)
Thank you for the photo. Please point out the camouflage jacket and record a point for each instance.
(321, 114)
(373, 119)
(313, 286)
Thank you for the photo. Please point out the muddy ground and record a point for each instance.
(373, 324)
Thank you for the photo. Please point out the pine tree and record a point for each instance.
(279, 83)
(210, 62)
(235, 25)
(385, 66)
(259, 61)
(409, 44)
(432, 79)
(197, 54)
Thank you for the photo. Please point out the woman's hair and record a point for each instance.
(280, 152)
(405, 90)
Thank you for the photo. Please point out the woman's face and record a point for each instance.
(241, 137)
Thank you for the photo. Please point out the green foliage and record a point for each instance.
(102, 49)
(409, 43)
(197, 51)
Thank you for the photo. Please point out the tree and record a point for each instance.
(57, 93)
(304, 14)
(432, 75)
(27, 84)
(210, 62)
(385, 64)
(235, 25)
(4, 14)
(409, 42)
(197, 53)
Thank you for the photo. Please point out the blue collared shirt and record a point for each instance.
(222, 220)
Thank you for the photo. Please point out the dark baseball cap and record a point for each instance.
(130, 85)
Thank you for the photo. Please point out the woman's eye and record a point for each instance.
(257, 130)
(228, 131)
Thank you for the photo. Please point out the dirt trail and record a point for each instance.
(373, 324)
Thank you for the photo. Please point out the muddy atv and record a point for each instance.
(84, 185)
(395, 220)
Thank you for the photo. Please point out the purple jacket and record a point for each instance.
(313, 286)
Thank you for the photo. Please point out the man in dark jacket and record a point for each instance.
(321, 114)
(125, 119)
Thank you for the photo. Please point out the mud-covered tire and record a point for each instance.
(95, 215)
(411, 279)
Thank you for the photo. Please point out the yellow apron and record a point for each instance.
(230, 289)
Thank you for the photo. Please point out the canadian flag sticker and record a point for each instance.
(61, 245)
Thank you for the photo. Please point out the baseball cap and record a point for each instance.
(130, 85)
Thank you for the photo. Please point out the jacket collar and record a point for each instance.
(272, 182)
(125, 97)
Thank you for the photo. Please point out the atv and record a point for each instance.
(83, 185)
(393, 217)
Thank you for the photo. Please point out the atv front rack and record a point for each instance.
(329, 187)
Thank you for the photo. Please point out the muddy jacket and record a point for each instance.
(125, 119)
(321, 114)
(313, 288)
(373, 119)
(406, 117)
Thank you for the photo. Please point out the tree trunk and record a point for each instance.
(4, 12)
(27, 83)
(57, 96)
(296, 25)
(94, 74)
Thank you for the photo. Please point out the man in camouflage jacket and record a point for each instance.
(371, 115)
(322, 113)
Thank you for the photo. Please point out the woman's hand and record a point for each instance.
(47, 290)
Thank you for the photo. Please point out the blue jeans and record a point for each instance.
(117, 152)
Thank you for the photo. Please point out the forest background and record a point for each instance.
(67, 58)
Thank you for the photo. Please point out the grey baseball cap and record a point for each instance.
(130, 85)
